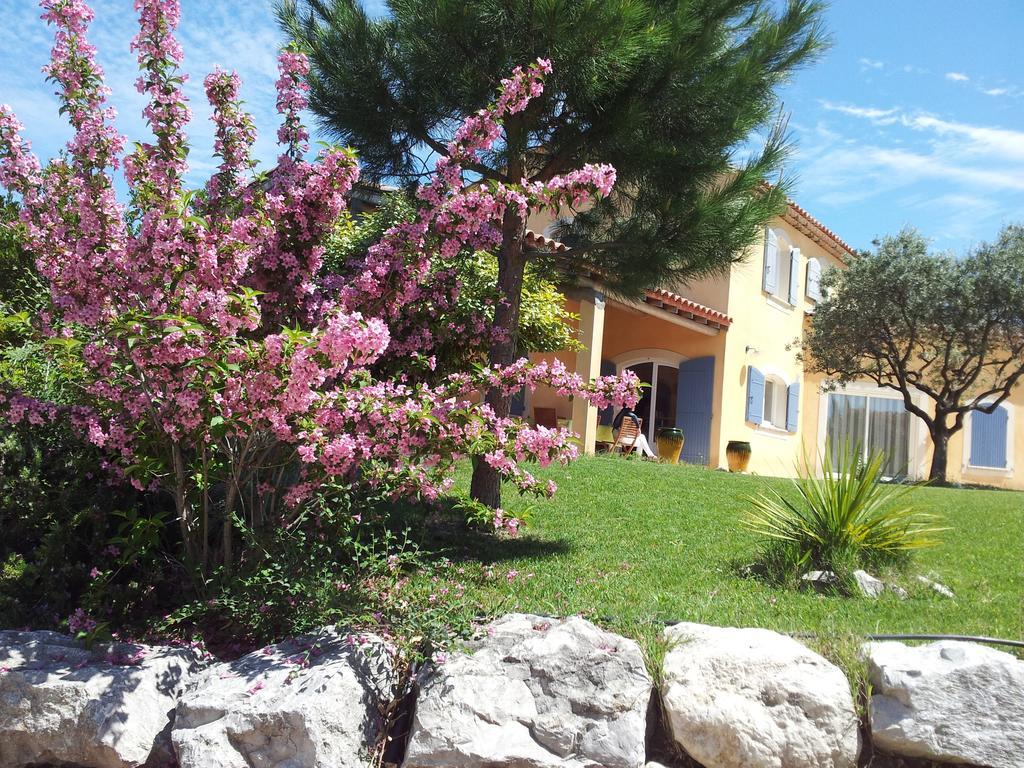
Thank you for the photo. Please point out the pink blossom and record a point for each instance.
(81, 622)
(209, 322)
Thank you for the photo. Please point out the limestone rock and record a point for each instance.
(106, 707)
(534, 692)
(899, 591)
(868, 585)
(948, 701)
(752, 698)
(312, 702)
(942, 589)
(820, 581)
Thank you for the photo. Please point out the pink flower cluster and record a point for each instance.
(210, 335)
(291, 100)
(80, 621)
(235, 133)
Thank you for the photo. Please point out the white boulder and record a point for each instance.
(935, 586)
(106, 707)
(534, 692)
(949, 701)
(312, 702)
(868, 585)
(752, 698)
(899, 591)
(820, 581)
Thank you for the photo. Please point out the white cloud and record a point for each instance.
(995, 91)
(959, 180)
(882, 116)
(914, 166)
(996, 143)
(957, 77)
(871, 64)
(974, 139)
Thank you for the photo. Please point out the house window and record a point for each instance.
(990, 439)
(813, 282)
(870, 424)
(781, 271)
(770, 402)
(775, 396)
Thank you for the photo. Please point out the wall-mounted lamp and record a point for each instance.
(752, 350)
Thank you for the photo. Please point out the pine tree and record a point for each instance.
(672, 93)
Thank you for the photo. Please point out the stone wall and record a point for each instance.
(527, 692)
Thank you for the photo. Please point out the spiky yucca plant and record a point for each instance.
(845, 519)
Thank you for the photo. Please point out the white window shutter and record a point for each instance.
(794, 275)
(814, 279)
(770, 278)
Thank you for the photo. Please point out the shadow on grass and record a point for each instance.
(461, 543)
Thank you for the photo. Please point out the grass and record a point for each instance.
(634, 544)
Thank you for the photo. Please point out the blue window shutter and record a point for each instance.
(517, 407)
(770, 279)
(792, 407)
(695, 394)
(794, 275)
(988, 438)
(813, 279)
(755, 395)
(607, 415)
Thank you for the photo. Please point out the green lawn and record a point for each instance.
(636, 543)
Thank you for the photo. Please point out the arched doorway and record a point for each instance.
(659, 369)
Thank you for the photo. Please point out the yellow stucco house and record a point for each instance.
(721, 358)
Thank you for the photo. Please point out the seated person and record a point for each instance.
(639, 442)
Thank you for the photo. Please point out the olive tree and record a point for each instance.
(913, 321)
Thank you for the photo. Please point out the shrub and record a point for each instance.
(57, 501)
(844, 520)
(217, 362)
(343, 559)
(544, 323)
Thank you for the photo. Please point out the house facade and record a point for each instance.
(721, 357)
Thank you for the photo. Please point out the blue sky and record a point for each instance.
(915, 116)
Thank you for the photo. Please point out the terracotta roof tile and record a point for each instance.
(538, 240)
(670, 302)
(797, 213)
(673, 301)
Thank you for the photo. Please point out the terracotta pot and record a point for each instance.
(738, 454)
(670, 444)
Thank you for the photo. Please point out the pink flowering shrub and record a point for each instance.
(219, 363)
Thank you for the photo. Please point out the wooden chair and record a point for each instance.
(629, 431)
(545, 417)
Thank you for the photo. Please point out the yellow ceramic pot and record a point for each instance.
(670, 444)
(738, 454)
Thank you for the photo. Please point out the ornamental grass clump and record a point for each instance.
(846, 519)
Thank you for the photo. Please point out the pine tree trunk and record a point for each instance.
(182, 506)
(940, 454)
(486, 484)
